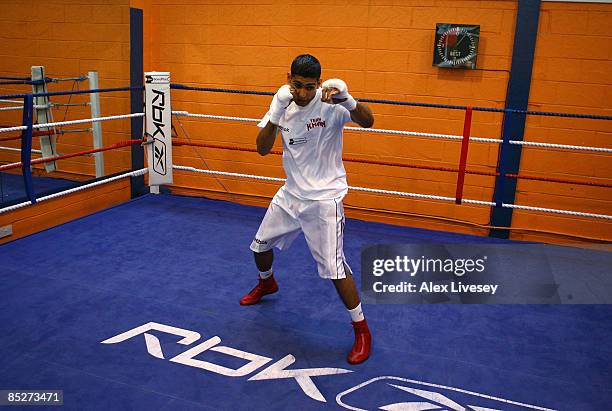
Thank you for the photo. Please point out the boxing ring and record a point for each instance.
(136, 306)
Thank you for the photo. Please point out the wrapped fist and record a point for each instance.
(281, 100)
(335, 91)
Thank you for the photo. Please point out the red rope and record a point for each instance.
(119, 144)
(34, 134)
(558, 180)
(179, 142)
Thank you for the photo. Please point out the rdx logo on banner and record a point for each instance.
(277, 370)
(159, 147)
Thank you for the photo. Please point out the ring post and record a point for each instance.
(158, 128)
(136, 98)
(26, 147)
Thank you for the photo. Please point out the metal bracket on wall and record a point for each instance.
(43, 115)
(94, 99)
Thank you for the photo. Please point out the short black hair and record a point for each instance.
(306, 65)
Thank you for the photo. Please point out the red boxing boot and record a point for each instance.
(363, 343)
(264, 287)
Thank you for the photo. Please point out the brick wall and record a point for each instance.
(383, 49)
(572, 73)
(70, 38)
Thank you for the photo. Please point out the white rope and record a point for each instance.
(9, 129)
(11, 101)
(561, 146)
(66, 123)
(21, 107)
(416, 195)
(11, 164)
(416, 134)
(404, 194)
(74, 190)
(18, 149)
(553, 210)
(87, 120)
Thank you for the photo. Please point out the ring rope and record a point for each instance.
(404, 103)
(413, 133)
(14, 78)
(557, 211)
(419, 134)
(180, 142)
(49, 133)
(34, 134)
(118, 144)
(44, 106)
(211, 116)
(28, 80)
(76, 189)
(67, 93)
(404, 194)
(12, 164)
(66, 123)
(561, 146)
(18, 149)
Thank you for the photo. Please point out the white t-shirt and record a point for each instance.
(312, 148)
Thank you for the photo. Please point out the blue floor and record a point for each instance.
(184, 262)
(13, 189)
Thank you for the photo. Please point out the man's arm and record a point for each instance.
(266, 137)
(362, 115)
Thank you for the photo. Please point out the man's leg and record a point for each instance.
(266, 284)
(264, 260)
(323, 226)
(347, 291)
(277, 229)
(350, 297)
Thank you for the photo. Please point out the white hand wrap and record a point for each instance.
(342, 97)
(281, 100)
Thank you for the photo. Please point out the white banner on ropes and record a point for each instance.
(158, 127)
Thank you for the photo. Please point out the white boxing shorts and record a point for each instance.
(321, 221)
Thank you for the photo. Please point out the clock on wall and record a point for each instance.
(456, 45)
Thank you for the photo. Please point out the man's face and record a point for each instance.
(303, 89)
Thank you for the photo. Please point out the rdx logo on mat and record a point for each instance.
(380, 393)
(277, 370)
(402, 394)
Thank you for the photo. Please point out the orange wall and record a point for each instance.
(50, 213)
(383, 50)
(572, 73)
(69, 38)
